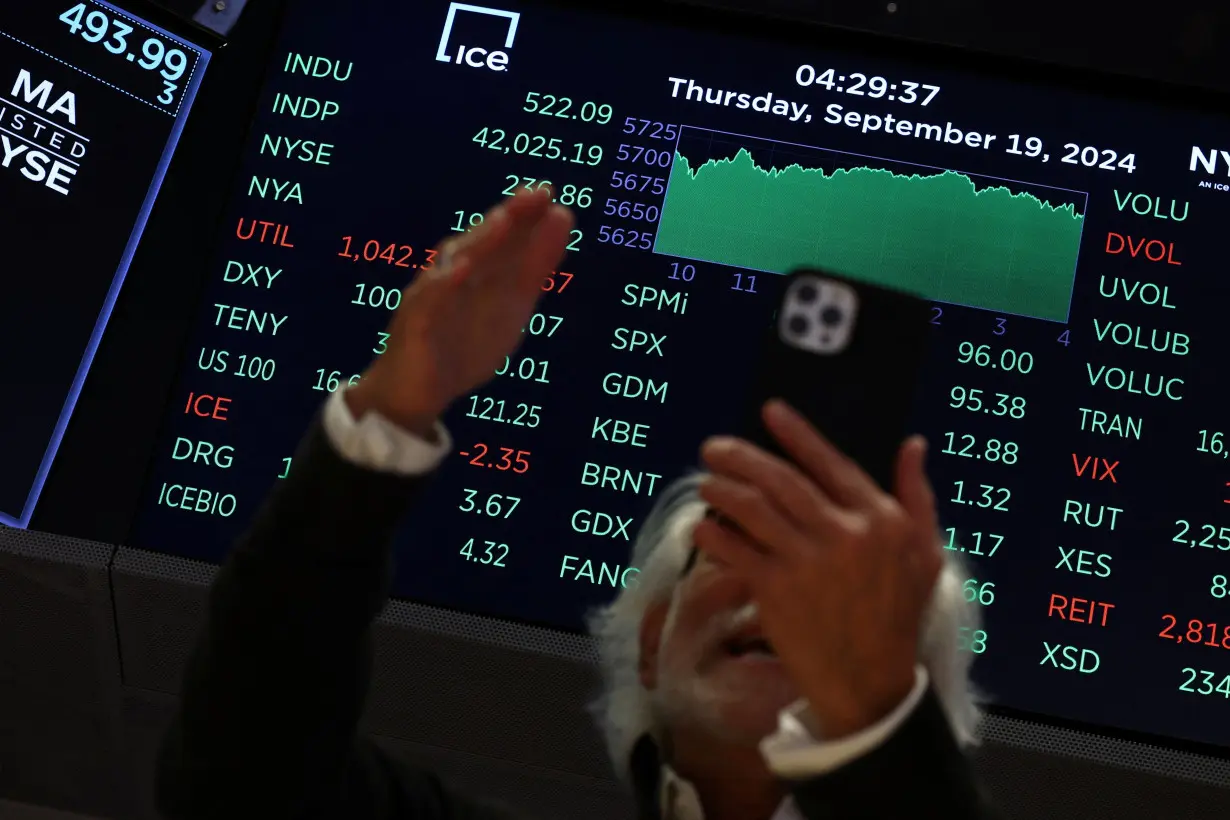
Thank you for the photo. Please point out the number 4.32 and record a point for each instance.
(488, 552)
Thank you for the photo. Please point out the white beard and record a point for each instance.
(683, 696)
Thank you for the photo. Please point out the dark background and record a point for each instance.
(87, 715)
(711, 348)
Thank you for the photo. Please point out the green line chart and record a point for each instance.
(1001, 245)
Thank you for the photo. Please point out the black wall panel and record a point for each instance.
(1032, 785)
(59, 674)
(520, 695)
(535, 792)
(91, 671)
(159, 606)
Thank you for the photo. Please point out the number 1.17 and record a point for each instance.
(975, 550)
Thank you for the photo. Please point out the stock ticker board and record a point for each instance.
(1071, 242)
(92, 102)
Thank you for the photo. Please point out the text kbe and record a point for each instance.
(620, 432)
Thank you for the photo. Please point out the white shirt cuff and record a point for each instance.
(375, 443)
(793, 753)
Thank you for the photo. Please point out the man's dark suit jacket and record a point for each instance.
(267, 726)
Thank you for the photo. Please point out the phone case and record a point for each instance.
(848, 356)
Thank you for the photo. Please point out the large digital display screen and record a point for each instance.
(1069, 238)
(92, 103)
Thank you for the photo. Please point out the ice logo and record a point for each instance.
(473, 56)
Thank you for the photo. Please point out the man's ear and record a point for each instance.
(651, 643)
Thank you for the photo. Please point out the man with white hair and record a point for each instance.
(789, 651)
(687, 667)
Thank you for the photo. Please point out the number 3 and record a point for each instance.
(168, 93)
(1001, 326)
(120, 34)
(1208, 681)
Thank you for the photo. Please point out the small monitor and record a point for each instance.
(92, 103)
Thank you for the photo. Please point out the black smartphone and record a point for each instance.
(848, 356)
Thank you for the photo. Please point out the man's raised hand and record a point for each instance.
(841, 570)
(461, 317)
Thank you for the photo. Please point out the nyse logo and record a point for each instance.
(33, 137)
(473, 56)
(1211, 161)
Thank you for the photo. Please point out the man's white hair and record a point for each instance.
(624, 710)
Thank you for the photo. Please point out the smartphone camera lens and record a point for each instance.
(806, 294)
(799, 325)
(831, 316)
